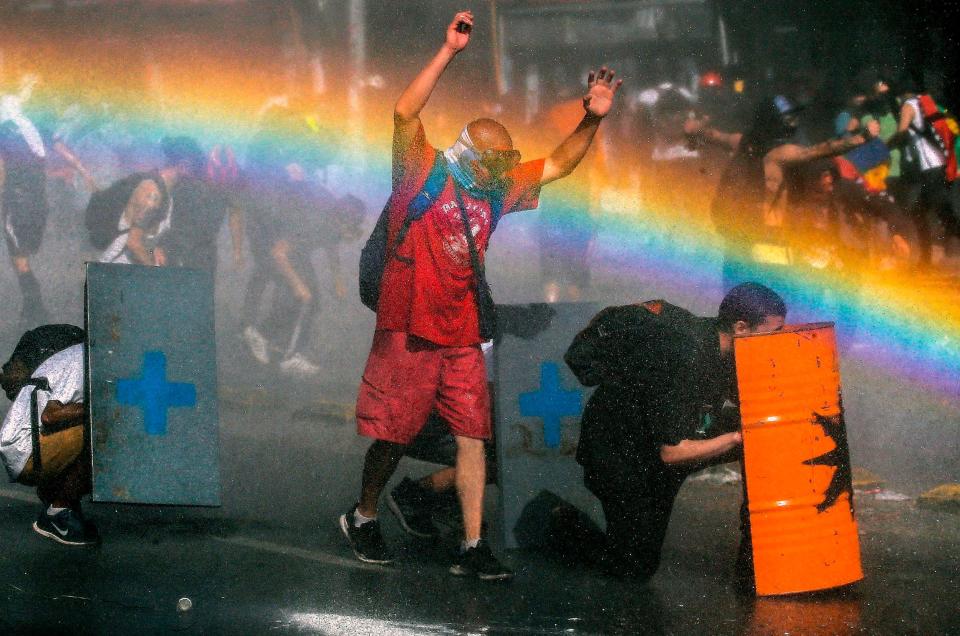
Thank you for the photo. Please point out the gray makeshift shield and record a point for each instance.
(152, 379)
(538, 403)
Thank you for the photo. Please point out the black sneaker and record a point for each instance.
(481, 563)
(66, 527)
(366, 541)
(412, 505)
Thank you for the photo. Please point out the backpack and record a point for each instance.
(102, 215)
(40, 343)
(628, 343)
(940, 128)
(374, 256)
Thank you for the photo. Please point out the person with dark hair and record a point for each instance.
(426, 347)
(665, 406)
(145, 216)
(48, 448)
(291, 215)
(201, 202)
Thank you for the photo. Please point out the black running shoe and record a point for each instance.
(66, 527)
(412, 505)
(366, 541)
(481, 563)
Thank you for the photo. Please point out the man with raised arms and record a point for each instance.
(426, 348)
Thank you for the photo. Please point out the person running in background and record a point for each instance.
(288, 221)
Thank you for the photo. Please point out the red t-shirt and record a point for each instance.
(432, 297)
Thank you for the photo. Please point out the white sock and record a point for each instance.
(359, 519)
(466, 545)
(54, 511)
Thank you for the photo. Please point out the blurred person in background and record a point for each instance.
(867, 175)
(136, 210)
(924, 187)
(750, 208)
(23, 195)
(201, 202)
(288, 218)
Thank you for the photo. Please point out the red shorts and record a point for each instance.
(407, 377)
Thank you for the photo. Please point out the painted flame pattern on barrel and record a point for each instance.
(796, 461)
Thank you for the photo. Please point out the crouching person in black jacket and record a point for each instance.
(665, 406)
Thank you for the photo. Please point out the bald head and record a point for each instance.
(489, 134)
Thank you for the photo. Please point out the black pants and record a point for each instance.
(924, 197)
(636, 529)
(633, 540)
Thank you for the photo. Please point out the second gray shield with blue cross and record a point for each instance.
(151, 363)
(538, 408)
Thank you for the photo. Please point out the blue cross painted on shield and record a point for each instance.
(551, 403)
(153, 394)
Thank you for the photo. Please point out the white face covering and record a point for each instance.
(460, 157)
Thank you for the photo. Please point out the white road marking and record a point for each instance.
(300, 553)
(246, 542)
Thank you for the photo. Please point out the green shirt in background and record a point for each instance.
(888, 128)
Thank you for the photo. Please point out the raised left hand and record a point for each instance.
(600, 91)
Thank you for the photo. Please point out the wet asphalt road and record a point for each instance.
(271, 559)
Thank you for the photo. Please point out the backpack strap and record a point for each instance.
(432, 188)
(436, 180)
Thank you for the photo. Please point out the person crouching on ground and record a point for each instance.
(665, 407)
(49, 360)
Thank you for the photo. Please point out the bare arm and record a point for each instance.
(64, 151)
(691, 451)
(137, 246)
(792, 153)
(598, 101)
(280, 253)
(58, 413)
(777, 159)
(406, 113)
(700, 128)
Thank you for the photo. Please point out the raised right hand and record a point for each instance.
(457, 41)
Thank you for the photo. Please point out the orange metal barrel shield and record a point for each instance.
(796, 461)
